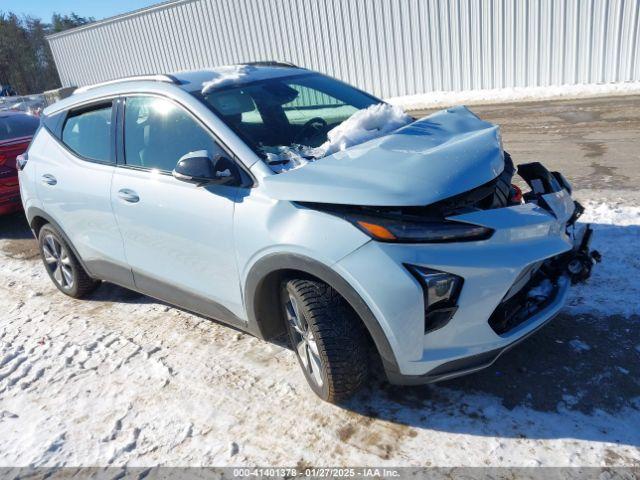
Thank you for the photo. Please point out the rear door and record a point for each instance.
(73, 178)
(178, 236)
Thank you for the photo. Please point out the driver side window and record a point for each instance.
(158, 132)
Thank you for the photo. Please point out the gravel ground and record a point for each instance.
(120, 379)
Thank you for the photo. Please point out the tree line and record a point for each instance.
(26, 62)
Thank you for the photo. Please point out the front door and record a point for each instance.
(178, 236)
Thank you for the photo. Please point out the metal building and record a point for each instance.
(388, 47)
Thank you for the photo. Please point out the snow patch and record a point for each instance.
(616, 235)
(579, 346)
(364, 125)
(225, 76)
(518, 94)
(281, 159)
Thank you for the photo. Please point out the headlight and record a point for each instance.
(441, 291)
(403, 231)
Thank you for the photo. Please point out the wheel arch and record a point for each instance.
(264, 315)
(38, 218)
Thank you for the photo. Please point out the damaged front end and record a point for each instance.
(541, 283)
(459, 219)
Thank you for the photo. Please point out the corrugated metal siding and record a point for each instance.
(388, 47)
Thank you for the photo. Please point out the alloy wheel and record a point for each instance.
(304, 341)
(58, 262)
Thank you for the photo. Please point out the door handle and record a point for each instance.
(128, 195)
(49, 179)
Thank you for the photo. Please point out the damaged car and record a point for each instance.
(285, 202)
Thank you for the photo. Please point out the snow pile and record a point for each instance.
(516, 94)
(280, 159)
(225, 76)
(364, 125)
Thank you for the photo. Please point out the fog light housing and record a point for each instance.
(440, 291)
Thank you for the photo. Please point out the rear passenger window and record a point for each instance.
(88, 133)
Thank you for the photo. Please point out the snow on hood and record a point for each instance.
(447, 153)
(226, 75)
(364, 125)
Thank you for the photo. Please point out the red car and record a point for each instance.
(16, 130)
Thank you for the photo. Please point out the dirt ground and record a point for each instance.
(121, 379)
(594, 142)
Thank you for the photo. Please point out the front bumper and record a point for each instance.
(529, 240)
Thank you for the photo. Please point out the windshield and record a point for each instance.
(287, 111)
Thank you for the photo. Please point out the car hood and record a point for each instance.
(444, 154)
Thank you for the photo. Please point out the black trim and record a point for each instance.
(184, 299)
(53, 123)
(119, 132)
(111, 272)
(265, 318)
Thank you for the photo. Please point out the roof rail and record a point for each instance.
(136, 78)
(270, 63)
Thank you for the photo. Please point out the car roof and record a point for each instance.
(190, 81)
(13, 113)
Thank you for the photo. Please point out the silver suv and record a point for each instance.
(206, 190)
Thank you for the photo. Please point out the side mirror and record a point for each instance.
(198, 167)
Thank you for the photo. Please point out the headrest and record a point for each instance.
(278, 93)
(231, 102)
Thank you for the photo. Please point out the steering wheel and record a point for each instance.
(312, 128)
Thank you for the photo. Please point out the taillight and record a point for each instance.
(21, 161)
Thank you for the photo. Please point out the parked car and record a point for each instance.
(16, 130)
(7, 91)
(411, 250)
(32, 105)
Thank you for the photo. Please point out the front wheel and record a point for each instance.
(329, 339)
(63, 267)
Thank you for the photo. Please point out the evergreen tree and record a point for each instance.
(26, 62)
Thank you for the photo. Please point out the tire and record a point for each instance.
(329, 339)
(62, 266)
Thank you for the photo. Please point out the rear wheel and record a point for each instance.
(62, 266)
(329, 339)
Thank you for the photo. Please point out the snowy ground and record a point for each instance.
(121, 379)
(517, 94)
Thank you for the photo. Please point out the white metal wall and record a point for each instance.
(388, 47)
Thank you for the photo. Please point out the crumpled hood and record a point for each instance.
(444, 154)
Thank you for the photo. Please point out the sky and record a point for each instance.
(85, 8)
